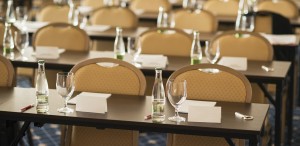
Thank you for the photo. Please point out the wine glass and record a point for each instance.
(22, 15)
(65, 86)
(133, 50)
(212, 54)
(176, 91)
(21, 40)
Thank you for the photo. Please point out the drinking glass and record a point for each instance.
(133, 49)
(212, 54)
(177, 93)
(22, 15)
(21, 40)
(65, 86)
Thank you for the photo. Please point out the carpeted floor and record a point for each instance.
(49, 134)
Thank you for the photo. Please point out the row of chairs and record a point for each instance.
(90, 76)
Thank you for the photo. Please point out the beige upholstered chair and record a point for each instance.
(93, 3)
(7, 73)
(286, 8)
(62, 35)
(244, 44)
(54, 13)
(92, 76)
(166, 41)
(226, 85)
(200, 20)
(114, 16)
(222, 7)
(150, 5)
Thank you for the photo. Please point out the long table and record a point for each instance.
(254, 73)
(129, 116)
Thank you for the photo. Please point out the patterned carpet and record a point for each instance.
(49, 134)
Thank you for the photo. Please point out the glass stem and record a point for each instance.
(66, 102)
(176, 112)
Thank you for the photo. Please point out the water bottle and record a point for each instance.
(158, 97)
(119, 46)
(42, 90)
(8, 42)
(245, 18)
(73, 14)
(10, 12)
(196, 51)
(162, 18)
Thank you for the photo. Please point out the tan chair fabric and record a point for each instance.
(93, 3)
(263, 24)
(54, 13)
(92, 76)
(222, 7)
(166, 41)
(227, 85)
(286, 8)
(115, 17)
(62, 35)
(7, 73)
(150, 5)
(248, 44)
(200, 20)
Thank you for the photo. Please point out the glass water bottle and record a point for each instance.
(42, 90)
(8, 42)
(158, 97)
(10, 12)
(196, 51)
(119, 46)
(162, 18)
(245, 18)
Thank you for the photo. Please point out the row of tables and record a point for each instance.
(254, 72)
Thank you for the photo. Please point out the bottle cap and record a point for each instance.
(158, 68)
(41, 61)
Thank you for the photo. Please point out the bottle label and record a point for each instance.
(119, 56)
(195, 61)
(42, 105)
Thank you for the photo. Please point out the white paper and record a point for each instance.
(97, 28)
(47, 52)
(237, 63)
(35, 24)
(87, 95)
(152, 61)
(281, 39)
(188, 31)
(184, 108)
(204, 114)
(85, 10)
(139, 12)
(91, 104)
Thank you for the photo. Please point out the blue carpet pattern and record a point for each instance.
(49, 134)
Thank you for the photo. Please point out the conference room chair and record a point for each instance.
(286, 8)
(254, 47)
(222, 7)
(61, 35)
(150, 5)
(272, 23)
(54, 13)
(166, 41)
(200, 20)
(93, 3)
(7, 73)
(114, 16)
(94, 75)
(226, 85)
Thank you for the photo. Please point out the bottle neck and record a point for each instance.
(158, 74)
(41, 67)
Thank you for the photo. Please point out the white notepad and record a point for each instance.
(48, 52)
(237, 63)
(184, 108)
(153, 61)
(204, 114)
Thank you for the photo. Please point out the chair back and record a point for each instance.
(244, 44)
(7, 73)
(95, 76)
(200, 20)
(222, 7)
(62, 35)
(166, 41)
(272, 23)
(225, 85)
(150, 5)
(115, 17)
(54, 13)
(93, 3)
(286, 8)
